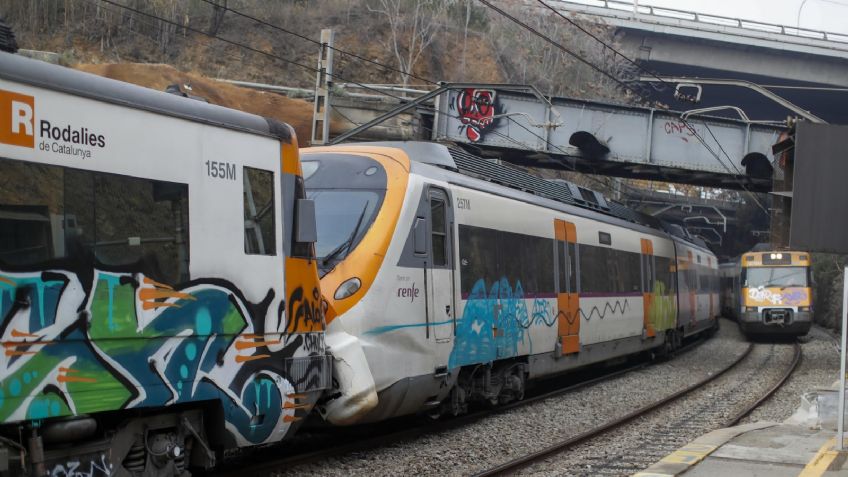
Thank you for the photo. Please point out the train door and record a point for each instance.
(648, 279)
(711, 288)
(440, 272)
(568, 301)
(692, 287)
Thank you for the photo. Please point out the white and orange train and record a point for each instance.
(444, 288)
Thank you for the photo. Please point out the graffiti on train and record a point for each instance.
(765, 296)
(92, 466)
(476, 109)
(662, 312)
(99, 341)
(493, 323)
(307, 315)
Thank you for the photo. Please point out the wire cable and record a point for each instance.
(426, 80)
(248, 47)
(306, 38)
(685, 122)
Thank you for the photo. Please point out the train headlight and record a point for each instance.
(803, 308)
(750, 308)
(347, 288)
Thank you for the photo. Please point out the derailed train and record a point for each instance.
(444, 288)
(159, 301)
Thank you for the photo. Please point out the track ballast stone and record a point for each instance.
(504, 436)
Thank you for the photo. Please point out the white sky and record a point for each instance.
(828, 15)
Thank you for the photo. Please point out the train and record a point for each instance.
(178, 280)
(452, 280)
(159, 294)
(769, 292)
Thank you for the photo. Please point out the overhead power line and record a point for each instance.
(432, 109)
(633, 62)
(311, 40)
(246, 47)
(564, 49)
(313, 69)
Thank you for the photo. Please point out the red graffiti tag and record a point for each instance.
(678, 128)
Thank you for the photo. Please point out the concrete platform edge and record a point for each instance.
(694, 452)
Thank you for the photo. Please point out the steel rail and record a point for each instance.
(771, 391)
(528, 459)
(436, 426)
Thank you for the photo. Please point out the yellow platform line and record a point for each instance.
(688, 455)
(827, 458)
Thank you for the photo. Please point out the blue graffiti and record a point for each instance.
(493, 324)
(40, 294)
(379, 330)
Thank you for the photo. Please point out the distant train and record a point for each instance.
(159, 300)
(444, 289)
(769, 292)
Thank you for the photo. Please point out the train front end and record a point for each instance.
(359, 192)
(775, 298)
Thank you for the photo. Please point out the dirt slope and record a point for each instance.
(296, 112)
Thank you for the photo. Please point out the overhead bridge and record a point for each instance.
(520, 125)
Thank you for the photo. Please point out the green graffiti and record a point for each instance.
(663, 309)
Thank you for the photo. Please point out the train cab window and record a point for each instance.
(348, 198)
(51, 214)
(438, 231)
(260, 237)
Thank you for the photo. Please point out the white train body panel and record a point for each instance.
(519, 279)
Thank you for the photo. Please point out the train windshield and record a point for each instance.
(348, 191)
(776, 277)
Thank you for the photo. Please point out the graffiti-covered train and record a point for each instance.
(159, 300)
(444, 289)
(769, 292)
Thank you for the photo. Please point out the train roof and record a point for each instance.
(461, 161)
(59, 78)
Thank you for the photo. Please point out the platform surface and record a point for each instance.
(763, 449)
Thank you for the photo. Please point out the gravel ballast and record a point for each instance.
(500, 437)
(819, 368)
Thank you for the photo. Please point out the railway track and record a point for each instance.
(654, 442)
(388, 437)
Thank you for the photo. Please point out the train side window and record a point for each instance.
(260, 234)
(572, 266)
(438, 231)
(561, 266)
(93, 218)
(138, 223)
(31, 210)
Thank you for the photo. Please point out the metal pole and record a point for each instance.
(840, 434)
(323, 84)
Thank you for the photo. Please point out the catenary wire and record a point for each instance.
(306, 38)
(366, 87)
(276, 27)
(622, 83)
(247, 47)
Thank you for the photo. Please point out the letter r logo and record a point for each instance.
(17, 119)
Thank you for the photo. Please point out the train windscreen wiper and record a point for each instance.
(347, 244)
